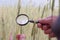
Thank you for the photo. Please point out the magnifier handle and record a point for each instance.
(41, 23)
(31, 21)
(37, 22)
(44, 24)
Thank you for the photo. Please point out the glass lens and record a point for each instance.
(22, 19)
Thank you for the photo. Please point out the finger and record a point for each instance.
(45, 21)
(39, 26)
(48, 31)
(52, 18)
(52, 35)
(48, 19)
(45, 27)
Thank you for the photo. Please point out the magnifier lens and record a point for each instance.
(22, 19)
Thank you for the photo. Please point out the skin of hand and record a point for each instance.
(47, 28)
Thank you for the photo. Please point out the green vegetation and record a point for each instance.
(10, 25)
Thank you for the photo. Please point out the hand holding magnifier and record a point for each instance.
(23, 19)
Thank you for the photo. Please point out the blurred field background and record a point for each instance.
(8, 25)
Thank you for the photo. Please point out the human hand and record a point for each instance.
(47, 28)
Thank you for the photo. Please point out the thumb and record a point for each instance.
(45, 21)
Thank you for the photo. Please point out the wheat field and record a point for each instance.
(8, 25)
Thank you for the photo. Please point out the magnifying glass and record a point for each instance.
(23, 19)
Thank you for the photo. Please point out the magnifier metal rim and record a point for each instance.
(21, 15)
